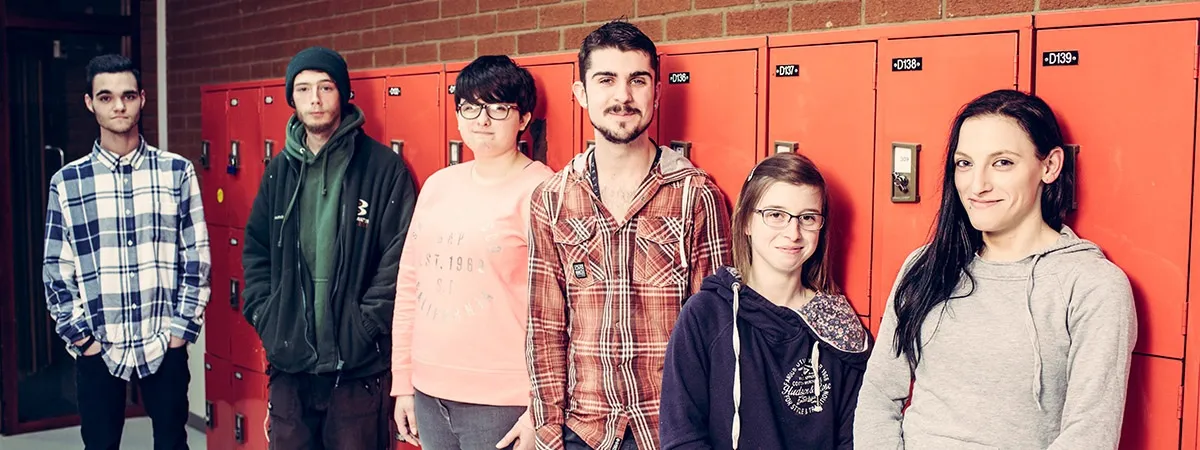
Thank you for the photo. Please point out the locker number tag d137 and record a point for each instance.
(679, 78)
(907, 64)
(787, 70)
(1061, 58)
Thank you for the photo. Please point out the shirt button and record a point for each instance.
(130, 243)
(126, 180)
(128, 212)
(131, 275)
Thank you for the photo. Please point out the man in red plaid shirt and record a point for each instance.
(620, 238)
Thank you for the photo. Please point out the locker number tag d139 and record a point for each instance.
(1061, 58)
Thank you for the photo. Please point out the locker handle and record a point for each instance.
(234, 157)
(208, 414)
(786, 147)
(239, 432)
(683, 147)
(204, 153)
(397, 146)
(455, 152)
(901, 182)
(1071, 153)
(268, 150)
(523, 147)
(234, 301)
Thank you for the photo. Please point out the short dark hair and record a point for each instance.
(496, 79)
(620, 35)
(111, 63)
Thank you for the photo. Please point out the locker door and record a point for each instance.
(213, 153)
(822, 100)
(554, 115)
(1152, 406)
(1128, 101)
(368, 94)
(455, 150)
(275, 116)
(918, 106)
(246, 348)
(218, 408)
(243, 165)
(709, 101)
(251, 407)
(219, 315)
(414, 122)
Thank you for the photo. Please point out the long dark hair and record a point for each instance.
(935, 273)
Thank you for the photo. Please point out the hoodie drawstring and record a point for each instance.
(813, 362)
(1033, 335)
(684, 213)
(292, 203)
(737, 369)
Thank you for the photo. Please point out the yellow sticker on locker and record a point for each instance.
(220, 196)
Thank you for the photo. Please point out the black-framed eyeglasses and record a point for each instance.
(496, 111)
(777, 219)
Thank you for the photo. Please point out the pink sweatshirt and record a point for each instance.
(458, 332)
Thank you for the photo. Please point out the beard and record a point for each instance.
(618, 136)
(318, 127)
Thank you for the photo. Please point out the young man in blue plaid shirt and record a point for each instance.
(126, 266)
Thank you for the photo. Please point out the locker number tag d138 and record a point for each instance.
(1061, 58)
(679, 78)
(907, 64)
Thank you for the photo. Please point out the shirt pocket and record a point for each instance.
(573, 237)
(658, 257)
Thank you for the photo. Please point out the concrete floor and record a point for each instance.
(137, 436)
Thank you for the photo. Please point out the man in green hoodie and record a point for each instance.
(323, 244)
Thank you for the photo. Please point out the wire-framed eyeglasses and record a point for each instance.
(777, 219)
(496, 111)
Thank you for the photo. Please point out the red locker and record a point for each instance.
(918, 107)
(709, 107)
(369, 95)
(554, 114)
(1152, 407)
(275, 116)
(250, 409)
(244, 163)
(454, 148)
(219, 314)
(822, 105)
(1135, 155)
(246, 348)
(213, 153)
(218, 405)
(414, 122)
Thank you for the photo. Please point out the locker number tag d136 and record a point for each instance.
(679, 78)
(1061, 58)
(907, 64)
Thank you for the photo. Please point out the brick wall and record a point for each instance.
(149, 73)
(217, 41)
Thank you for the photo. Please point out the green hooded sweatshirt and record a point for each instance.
(319, 192)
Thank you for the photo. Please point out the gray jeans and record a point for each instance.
(450, 425)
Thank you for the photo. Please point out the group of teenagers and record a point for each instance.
(616, 303)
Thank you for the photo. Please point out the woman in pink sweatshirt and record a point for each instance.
(458, 333)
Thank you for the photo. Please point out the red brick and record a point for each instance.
(694, 27)
(521, 19)
(606, 10)
(656, 7)
(889, 11)
(353, 22)
(420, 53)
(359, 60)
(389, 57)
(370, 4)
(966, 8)
(706, 4)
(536, 2)
(652, 28)
(408, 34)
(495, 5)
(564, 14)
(477, 25)
(573, 37)
(1064, 4)
(756, 21)
(539, 41)
(819, 15)
(380, 37)
(455, 8)
(499, 45)
(413, 12)
(457, 50)
(441, 29)
(346, 42)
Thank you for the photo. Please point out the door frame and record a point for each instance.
(122, 26)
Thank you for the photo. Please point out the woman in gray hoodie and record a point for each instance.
(1012, 331)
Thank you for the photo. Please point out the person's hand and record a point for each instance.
(177, 342)
(521, 435)
(406, 419)
(93, 349)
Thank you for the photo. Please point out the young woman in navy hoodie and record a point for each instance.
(769, 354)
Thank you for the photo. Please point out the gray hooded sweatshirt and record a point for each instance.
(1036, 357)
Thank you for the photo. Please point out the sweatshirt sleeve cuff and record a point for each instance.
(371, 328)
(185, 329)
(402, 383)
(550, 437)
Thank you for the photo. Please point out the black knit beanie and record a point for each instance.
(324, 60)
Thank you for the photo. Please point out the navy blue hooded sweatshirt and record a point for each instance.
(769, 398)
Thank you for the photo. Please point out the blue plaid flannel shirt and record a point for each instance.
(127, 255)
